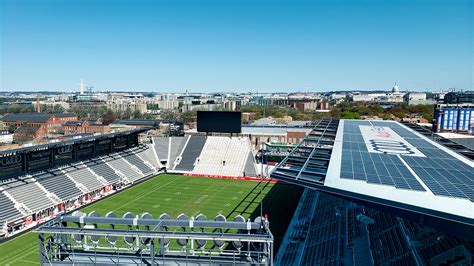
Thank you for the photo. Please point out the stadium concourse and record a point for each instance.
(378, 193)
(31, 197)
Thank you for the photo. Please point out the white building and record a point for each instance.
(414, 98)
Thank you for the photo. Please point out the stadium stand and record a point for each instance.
(104, 170)
(124, 167)
(190, 153)
(149, 157)
(23, 193)
(7, 211)
(82, 175)
(387, 241)
(235, 157)
(138, 162)
(326, 230)
(57, 183)
(323, 245)
(212, 154)
(162, 145)
(175, 149)
(316, 233)
(435, 247)
(292, 246)
(30, 197)
(69, 184)
(250, 165)
(219, 156)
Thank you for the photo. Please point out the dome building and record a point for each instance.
(395, 89)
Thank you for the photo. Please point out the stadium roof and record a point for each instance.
(86, 138)
(389, 165)
(138, 122)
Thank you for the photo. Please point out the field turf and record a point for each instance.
(176, 194)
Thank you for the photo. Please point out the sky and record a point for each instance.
(236, 46)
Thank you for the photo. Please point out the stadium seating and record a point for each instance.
(125, 168)
(326, 228)
(57, 183)
(176, 147)
(82, 175)
(212, 155)
(162, 148)
(224, 156)
(204, 155)
(138, 162)
(250, 165)
(102, 169)
(190, 153)
(236, 157)
(23, 193)
(43, 190)
(149, 155)
(7, 211)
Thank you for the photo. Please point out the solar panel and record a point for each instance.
(443, 174)
(386, 164)
(307, 164)
(359, 164)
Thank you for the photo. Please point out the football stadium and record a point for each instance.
(353, 192)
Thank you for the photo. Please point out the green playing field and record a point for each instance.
(176, 194)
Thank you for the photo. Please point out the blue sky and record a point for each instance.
(228, 45)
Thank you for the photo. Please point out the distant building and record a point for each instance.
(6, 137)
(47, 123)
(51, 102)
(3, 126)
(246, 117)
(27, 132)
(168, 104)
(394, 96)
(454, 118)
(124, 105)
(310, 106)
(84, 127)
(459, 97)
(363, 97)
(414, 98)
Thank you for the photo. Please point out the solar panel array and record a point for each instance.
(439, 171)
(308, 163)
(375, 168)
(442, 173)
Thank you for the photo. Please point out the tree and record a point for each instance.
(350, 115)
(127, 114)
(188, 116)
(336, 113)
(109, 117)
(12, 128)
(136, 114)
(169, 115)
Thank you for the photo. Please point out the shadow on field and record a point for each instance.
(279, 205)
(244, 206)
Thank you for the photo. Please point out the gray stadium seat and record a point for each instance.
(190, 153)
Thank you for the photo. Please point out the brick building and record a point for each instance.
(46, 123)
(85, 126)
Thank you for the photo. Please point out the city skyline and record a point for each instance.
(244, 46)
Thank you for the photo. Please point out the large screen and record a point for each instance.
(224, 122)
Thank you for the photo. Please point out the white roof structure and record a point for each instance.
(387, 165)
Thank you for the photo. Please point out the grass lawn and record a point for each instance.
(176, 194)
